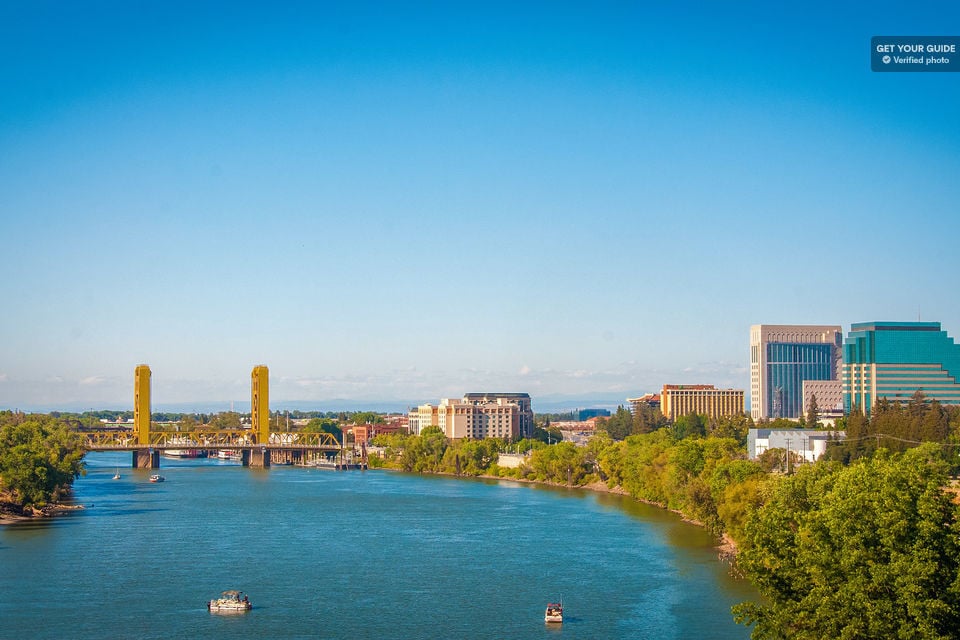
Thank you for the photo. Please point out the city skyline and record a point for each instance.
(404, 202)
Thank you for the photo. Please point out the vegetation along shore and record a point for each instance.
(863, 543)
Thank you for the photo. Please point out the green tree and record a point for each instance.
(324, 425)
(692, 425)
(39, 458)
(646, 419)
(562, 463)
(619, 425)
(866, 551)
(813, 413)
(367, 417)
(736, 427)
(225, 420)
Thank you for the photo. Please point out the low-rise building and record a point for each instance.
(829, 395)
(806, 444)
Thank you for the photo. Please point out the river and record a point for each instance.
(376, 554)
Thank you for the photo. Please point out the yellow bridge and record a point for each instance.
(255, 444)
(254, 453)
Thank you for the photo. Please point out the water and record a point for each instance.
(326, 554)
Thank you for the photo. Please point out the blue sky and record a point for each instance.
(408, 201)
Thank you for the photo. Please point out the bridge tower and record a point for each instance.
(259, 415)
(143, 458)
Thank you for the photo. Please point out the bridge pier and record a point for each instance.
(256, 458)
(146, 459)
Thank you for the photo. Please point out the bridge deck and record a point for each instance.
(208, 440)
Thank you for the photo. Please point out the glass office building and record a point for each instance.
(788, 365)
(894, 360)
(782, 357)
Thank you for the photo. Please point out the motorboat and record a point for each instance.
(230, 602)
(157, 478)
(554, 612)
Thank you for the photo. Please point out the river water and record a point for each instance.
(376, 554)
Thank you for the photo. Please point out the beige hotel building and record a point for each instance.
(477, 416)
(682, 399)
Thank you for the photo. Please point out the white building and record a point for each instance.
(806, 444)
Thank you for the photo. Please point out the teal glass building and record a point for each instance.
(894, 360)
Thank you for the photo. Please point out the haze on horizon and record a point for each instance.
(403, 201)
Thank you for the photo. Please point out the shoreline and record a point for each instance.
(11, 513)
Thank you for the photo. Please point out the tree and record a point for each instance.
(39, 458)
(562, 463)
(813, 413)
(736, 427)
(367, 417)
(647, 419)
(866, 551)
(619, 425)
(324, 425)
(692, 425)
(225, 421)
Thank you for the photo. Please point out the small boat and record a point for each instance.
(157, 478)
(230, 602)
(116, 476)
(554, 612)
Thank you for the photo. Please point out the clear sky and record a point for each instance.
(407, 201)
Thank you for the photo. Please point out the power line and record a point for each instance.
(877, 436)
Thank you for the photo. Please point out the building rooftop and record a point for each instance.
(895, 326)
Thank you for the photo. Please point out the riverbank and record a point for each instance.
(11, 512)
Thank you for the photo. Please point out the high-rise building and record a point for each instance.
(782, 357)
(894, 360)
(682, 399)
